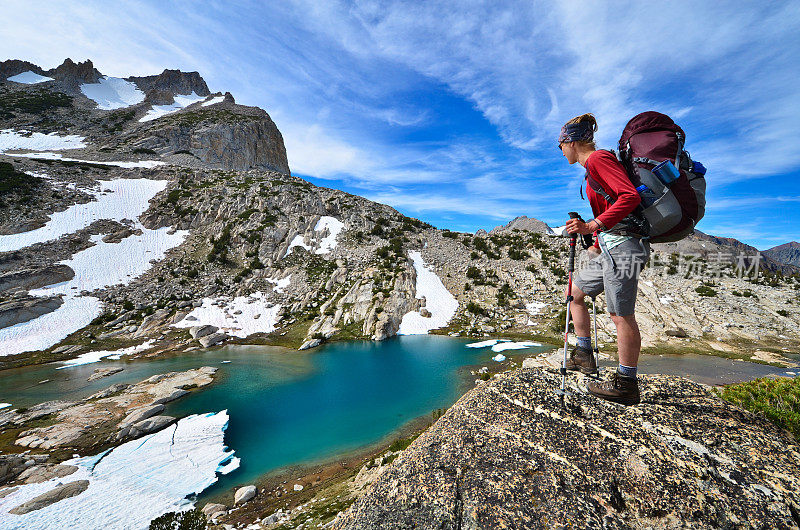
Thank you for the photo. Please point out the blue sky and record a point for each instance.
(449, 111)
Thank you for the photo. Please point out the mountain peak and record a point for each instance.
(174, 81)
(787, 253)
(71, 72)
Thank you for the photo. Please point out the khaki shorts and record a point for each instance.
(615, 271)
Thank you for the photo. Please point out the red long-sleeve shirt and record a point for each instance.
(609, 173)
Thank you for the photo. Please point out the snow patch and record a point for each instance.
(534, 307)
(560, 231)
(214, 101)
(499, 357)
(36, 141)
(181, 102)
(666, 299)
(280, 284)
(328, 224)
(513, 346)
(113, 93)
(154, 474)
(4, 405)
(29, 78)
(147, 164)
(95, 356)
(333, 227)
(256, 316)
(438, 300)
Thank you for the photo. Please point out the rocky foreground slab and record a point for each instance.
(509, 454)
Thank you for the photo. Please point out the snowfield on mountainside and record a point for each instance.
(438, 301)
(36, 141)
(119, 200)
(113, 93)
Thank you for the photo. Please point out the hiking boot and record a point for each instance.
(618, 388)
(581, 359)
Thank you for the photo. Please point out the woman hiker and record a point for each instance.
(619, 252)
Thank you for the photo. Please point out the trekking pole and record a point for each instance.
(596, 349)
(572, 240)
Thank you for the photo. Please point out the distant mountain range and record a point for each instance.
(788, 253)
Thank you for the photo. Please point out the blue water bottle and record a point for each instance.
(666, 172)
(647, 195)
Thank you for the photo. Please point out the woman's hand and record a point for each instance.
(576, 226)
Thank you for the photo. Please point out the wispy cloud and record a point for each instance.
(456, 110)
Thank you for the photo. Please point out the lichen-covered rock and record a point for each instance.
(509, 454)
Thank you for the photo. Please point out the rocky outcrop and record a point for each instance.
(225, 136)
(244, 494)
(34, 278)
(173, 82)
(64, 491)
(26, 308)
(510, 454)
(522, 223)
(12, 67)
(120, 407)
(74, 74)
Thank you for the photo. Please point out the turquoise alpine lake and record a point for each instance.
(294, 408)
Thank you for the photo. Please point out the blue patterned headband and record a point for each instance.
(576, 132)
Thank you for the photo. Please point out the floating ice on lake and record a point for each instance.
(181, 102)
(36, 141)
(482, 344)
(154, 474)
(113, 93)
(438, 301)
(499, 357)
(29, 78)
(514, 346)
(4, 405)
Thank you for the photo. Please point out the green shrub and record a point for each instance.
(451, 235)
(705, 290)
(127, 305)
(474, 273)
(191, 520)
(517, 253)
(476, 309)
(783, 312)
(33, 102)
(776, 399)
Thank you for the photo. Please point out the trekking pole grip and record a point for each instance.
(573, 238)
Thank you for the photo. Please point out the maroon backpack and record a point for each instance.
(648, 139)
